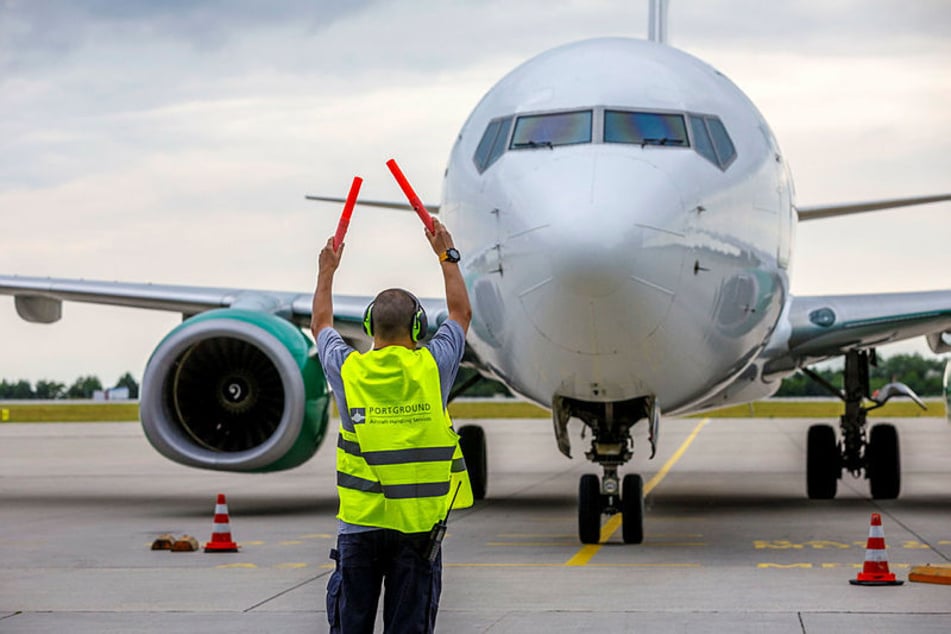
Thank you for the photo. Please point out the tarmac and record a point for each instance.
(732, 544)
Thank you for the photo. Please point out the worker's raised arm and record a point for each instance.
(322, 312)
(457, 297)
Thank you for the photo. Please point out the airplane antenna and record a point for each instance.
(657, 21)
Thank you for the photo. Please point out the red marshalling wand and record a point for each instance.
(347, 212)
(411, 196)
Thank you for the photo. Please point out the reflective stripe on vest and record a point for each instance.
(397, 456)
(399, 464)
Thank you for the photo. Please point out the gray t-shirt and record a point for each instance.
(446, 346)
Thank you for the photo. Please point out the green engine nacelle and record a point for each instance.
(235, 390)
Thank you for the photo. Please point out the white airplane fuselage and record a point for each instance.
(605, 271)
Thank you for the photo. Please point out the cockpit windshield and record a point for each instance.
(549, 130)
(705, 133)
(644, 128)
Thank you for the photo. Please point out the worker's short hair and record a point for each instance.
(394, 313)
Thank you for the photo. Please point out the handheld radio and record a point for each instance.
(439, 531)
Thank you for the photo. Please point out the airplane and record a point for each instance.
(626, 219)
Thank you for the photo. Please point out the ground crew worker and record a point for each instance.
(398, 459)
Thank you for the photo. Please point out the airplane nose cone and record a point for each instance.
(585, 263)
(613, 247)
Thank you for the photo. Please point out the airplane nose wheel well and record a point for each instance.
(875, 454)
(611, 447)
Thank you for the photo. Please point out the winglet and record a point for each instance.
(889, 390)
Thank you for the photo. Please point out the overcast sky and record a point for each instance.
(174, 141)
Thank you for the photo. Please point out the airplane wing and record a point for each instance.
(234, 389)
(817, 212)
(382, 204)
(40, 299)
(826, 326)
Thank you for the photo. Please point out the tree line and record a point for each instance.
(922, 375)
(83, 387)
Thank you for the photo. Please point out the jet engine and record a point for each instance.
(235, 390)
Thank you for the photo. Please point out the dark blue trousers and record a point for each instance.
(364, 562)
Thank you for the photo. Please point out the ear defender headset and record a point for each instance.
(418, 324)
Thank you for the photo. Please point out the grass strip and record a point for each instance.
(69, 412)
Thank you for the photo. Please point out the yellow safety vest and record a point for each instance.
(398, 461)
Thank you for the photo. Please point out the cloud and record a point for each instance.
(46, 31)
(810, 28)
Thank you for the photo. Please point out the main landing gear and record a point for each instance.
(876, 455)
(611, 447)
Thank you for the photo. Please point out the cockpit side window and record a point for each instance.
(549, 130)
(645, 128)
(701, 139)
(481, 157)
(492, 144)
(712, 141)
(498, 148)
(721, 141)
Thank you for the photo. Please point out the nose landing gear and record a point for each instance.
(597, 498)
(611, 447)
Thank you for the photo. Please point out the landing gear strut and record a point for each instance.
(877, 456)
(611, 447)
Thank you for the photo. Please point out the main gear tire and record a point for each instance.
(883, 462)
(472, 443)
(823, 463)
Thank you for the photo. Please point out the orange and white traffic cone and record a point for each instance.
(221, 530)
(875, 571)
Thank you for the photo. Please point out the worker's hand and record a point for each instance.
(439, 239)
(329, 260)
